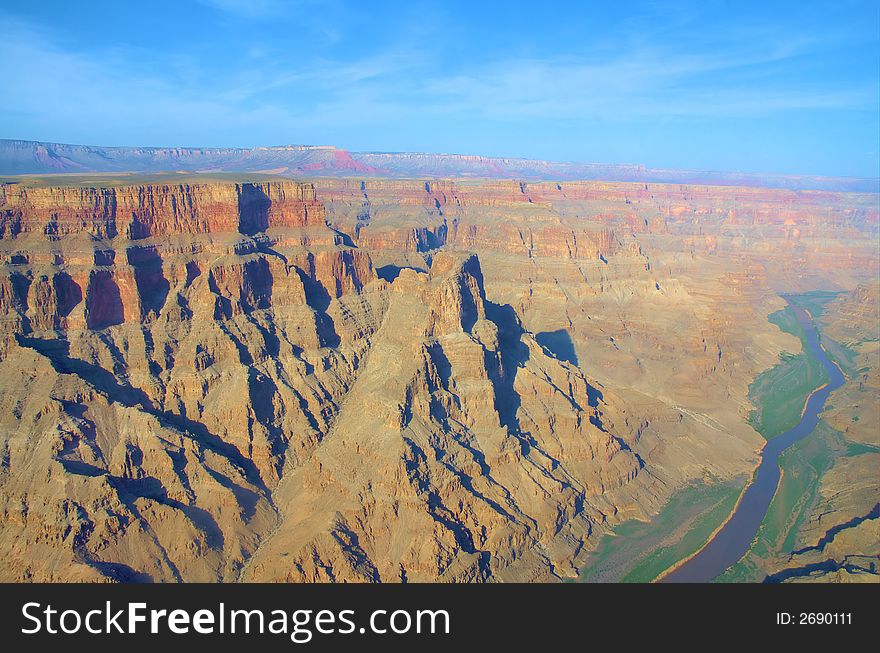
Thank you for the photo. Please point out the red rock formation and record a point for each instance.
(142, 211)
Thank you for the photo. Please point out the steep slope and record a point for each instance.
(462, 452)
(382, 379)
(155, 385)
(170, 353)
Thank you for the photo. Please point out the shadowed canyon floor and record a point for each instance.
(415, 380)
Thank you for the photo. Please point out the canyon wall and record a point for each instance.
(382, 380)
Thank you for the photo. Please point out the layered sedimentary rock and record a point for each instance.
(659, 291)
(163, 360)
(136, 212)
(381, 380)
(463, 452)
(173, 352)
(803, 239)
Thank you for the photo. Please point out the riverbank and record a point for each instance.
(780, 484)
(639, 551)
(778, 393)
(737, 537)
(783, 487)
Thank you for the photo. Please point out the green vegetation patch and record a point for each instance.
(844, 356)
(858, 448)
(803, 466)
(780, 392)
(814, 301)
(639, 551)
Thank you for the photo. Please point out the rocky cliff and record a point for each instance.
(380, 380)
(192, 369)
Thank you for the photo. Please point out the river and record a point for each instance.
(732, 541)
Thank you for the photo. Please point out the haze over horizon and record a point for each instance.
(787, 89)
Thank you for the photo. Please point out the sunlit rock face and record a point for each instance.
(383, 380)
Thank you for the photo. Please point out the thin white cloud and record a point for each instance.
(269, 90)
(636, 84)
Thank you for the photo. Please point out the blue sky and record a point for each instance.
(752, 86)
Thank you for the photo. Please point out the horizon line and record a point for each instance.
(304, 146)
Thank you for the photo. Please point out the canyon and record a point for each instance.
(364, 378)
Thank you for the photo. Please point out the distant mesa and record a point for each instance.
(20, 157)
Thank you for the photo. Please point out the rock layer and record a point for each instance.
(381, 380)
